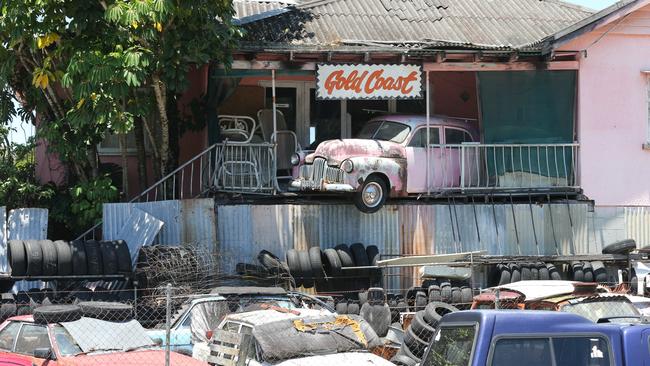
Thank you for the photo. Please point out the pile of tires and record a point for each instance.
(526, 271)
(588, 271)
(444, 291)
(44, 258)
(323, 268)
(620, 247)
(109, 311)
(418, 334)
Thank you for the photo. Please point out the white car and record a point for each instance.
(293, 337)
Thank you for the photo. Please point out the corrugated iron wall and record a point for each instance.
(4, 267)
(416, 229)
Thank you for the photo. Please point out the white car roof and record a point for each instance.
(259, 317)
(345, 358)
(537, 290)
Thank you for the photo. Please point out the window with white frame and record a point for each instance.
(111, 144)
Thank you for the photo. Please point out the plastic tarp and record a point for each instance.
(206, 316)
(282, 340)
(528, 107)
(97, 335)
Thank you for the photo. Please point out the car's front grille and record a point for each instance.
(318, 172)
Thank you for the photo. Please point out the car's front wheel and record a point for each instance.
(372, 195)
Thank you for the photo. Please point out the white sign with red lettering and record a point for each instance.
(368, 81)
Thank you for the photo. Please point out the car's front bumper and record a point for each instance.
(308, 185)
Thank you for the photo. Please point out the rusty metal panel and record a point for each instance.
(637, 220)
(305, 220)
(113, 217)
(4, 266)
(272, 227)
(169, 212)
(234, 234)
(339, 224)
(27, 224)
(198, 224)
(139, 229)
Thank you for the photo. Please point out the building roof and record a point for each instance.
(413, 24)
(247, 11)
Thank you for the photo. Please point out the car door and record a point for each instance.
(416, 157)
(31, 337)
(458, 164)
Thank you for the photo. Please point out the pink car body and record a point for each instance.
(401, 163)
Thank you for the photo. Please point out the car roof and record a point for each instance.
(417, 120)
(247, 290)
(22, 318)
(538, 290)
(258, 317)
(512, 321)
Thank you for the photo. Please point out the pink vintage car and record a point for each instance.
(388, 158)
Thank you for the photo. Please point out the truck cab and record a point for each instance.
(535, 338)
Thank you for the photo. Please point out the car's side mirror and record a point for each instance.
(44, 353)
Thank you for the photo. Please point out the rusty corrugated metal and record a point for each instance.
(479, 24)
(234, 235)
(199, 224)
(638, 225)
(169, 212)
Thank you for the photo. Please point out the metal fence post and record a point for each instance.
(168, 323)
(497, 293)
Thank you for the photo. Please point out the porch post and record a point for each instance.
(428, 104)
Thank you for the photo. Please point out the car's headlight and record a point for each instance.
(347, 166)
(295, 159)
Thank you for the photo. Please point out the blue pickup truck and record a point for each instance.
(535, 338)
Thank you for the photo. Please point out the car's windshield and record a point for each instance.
(65, 342)
(385, 131)
(614, 311)
(452, 346)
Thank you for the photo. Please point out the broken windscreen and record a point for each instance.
(452, 346)
(385, 131)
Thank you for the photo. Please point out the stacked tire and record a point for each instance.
(323, 268)
(593, 271)
(444, 291)
(44, 258)
(526, 271)
(419, 333)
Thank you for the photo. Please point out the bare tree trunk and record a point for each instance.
(154, 148)
(93, 160)
(141, 153)
(160, 90)
(125, 166)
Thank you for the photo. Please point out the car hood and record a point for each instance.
(335, 151)
(133, 358)
(345, 358)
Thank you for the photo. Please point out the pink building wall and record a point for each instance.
(613, 111)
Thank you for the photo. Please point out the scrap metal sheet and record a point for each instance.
(139, 230)
(27, 224)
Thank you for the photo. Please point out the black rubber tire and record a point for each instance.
(124, 264)
(434, 293)
(94, 259)
(7, 310)
(421, 327)
(504, 274)
(50, 261)
(305, 268)
(345, 255)
(63, 258)
(353, 308)
(435, 311)
(534, 272)
(515, 273)
(445, 293)
(421, 300)
(620, 247)
(360, 258)
(543, 271)
(588, 272)
(316, 262)
(49, 314)
(384, 191)
(109, 257)
(525, 272)
(378, 316)
(22, 298)
(553, 272)
(455, 295)
(403, 360)
(373, 254)
(415, 344)
(341, 308)
(332, 262)
(111, 311)
(600, 273)
(271, 262)
(101, 293)
(466, 295)
(294, 266)
(17, 258)
(34, 255)
(576, 272)
(79, 264)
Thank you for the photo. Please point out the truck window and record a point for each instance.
(452, 346)
(522, 351)
(581, 351)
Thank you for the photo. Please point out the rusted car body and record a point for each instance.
(388, 159)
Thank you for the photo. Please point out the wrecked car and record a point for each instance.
(388, 158)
